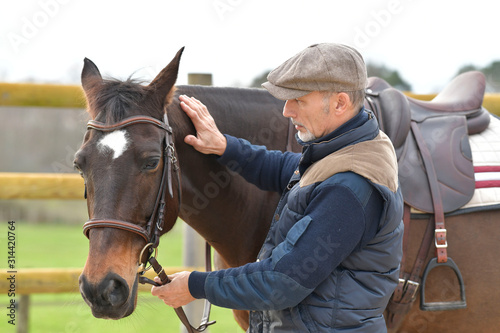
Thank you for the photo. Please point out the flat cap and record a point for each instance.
(320, 67)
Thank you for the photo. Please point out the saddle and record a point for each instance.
(435, 170)
(444, 124)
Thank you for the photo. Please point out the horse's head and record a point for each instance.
(127, 153)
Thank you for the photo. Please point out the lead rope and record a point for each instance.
(205, 320)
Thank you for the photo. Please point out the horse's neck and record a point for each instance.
(228, 212)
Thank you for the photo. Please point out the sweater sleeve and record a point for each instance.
(336, 224)
(270, 170)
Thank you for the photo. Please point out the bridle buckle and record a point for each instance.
(143, 264)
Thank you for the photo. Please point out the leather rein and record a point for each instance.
(152, 231)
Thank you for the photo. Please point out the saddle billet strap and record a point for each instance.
(440, 231)
(116, 224)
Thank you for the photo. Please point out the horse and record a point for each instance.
(123, 160)
(232, 215)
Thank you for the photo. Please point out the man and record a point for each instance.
(331, 258)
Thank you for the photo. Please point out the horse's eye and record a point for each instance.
(77, 168)
(151, 164)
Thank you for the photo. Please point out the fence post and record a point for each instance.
(23, 314)
(194, 244)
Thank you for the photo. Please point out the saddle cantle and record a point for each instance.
(444, 123)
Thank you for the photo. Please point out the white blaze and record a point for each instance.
(116, 141)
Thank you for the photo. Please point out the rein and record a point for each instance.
(152, 231)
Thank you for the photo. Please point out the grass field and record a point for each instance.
(60, 246)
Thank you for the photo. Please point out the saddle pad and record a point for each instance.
(486, 156)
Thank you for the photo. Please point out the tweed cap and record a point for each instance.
(320, 67)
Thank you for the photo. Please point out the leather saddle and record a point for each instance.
(444, 123)
(435, 172)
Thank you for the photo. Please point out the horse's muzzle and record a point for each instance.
(110, 298)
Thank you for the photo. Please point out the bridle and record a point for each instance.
(154, 227)
(151, 232)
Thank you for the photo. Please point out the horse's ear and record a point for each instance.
(91, 80)
(162, 87)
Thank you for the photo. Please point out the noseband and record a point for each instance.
(152, 231)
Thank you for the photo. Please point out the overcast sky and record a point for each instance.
(237, 40)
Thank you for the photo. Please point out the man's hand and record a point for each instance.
(176, 293)
(208, 139)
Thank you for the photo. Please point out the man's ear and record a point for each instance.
(342, 103)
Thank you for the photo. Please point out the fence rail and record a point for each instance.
(59, 280)
(40, 186)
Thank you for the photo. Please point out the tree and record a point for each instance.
(467, 68)
(491, 73)
(257, 82)
(391, 76)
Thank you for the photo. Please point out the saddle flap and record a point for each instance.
(448, 143)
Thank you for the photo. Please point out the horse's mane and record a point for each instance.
(114, 98)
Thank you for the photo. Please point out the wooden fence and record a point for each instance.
(51, 280)
(70, 186)
(67, 186)
(46, 280)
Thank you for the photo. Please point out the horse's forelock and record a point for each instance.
(116, 100)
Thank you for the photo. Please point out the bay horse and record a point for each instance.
(123, 165)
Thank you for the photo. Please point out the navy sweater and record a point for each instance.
(352, 226)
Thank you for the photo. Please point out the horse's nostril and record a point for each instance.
(115, 291)
(111, 298)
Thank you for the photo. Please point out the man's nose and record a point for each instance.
(288, 109)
